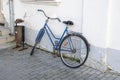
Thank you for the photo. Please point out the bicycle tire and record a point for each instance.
(72, 57)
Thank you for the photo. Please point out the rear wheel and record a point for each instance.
(74, 50)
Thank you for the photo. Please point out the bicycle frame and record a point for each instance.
(64, 43)
(49, 31)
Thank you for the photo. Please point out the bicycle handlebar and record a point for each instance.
(47, 16)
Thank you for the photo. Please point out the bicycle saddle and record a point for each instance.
(68, 22)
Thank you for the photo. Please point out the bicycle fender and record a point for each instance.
(40, 35)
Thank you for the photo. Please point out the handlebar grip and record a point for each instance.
(42, 12)
(39, 10)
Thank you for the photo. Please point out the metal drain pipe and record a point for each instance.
(11, 14)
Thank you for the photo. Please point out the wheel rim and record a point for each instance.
(78, 55)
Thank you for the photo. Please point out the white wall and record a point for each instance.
(34, 20)
(114, 39)
(95, 30)
(6, 10)
(65, 11)
(97, 19)
(101, 26)
(92, 22)
(115, 24)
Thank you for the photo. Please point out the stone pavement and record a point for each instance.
(19, 65)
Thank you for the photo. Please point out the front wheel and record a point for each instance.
(74, 50)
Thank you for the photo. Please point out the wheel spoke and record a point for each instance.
(74, 51)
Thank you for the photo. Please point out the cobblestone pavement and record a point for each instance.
(19, 65)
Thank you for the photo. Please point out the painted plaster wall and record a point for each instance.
(91, 22)
(35, 20)
(101, 27)
(6, 10)
(95, 21)
(94, 18)
(114, 39)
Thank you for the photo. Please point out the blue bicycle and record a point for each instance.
(72, 47)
